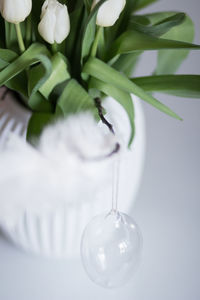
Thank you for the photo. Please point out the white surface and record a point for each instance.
(167, 210)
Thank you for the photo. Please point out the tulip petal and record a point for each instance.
(62, 27)
(44, 8)
(55, 23)
(47, 25)
(15, 11)
(109, 12)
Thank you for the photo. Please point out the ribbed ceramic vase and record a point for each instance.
(58, 233)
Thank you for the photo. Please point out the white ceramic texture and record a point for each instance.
(13, 117)
(58, 234)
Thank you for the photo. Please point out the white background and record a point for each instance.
(167, 210)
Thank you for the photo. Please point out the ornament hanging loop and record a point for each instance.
(115, 183)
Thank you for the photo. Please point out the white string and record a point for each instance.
(115, 183)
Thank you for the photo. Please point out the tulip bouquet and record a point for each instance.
(63, 57)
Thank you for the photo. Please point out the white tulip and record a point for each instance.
(15, 11)
(109, 12)
(55, 24)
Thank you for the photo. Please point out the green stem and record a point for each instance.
(20, 38)
(28, 30)
(7, 33)
(54, 48)
(96, 41)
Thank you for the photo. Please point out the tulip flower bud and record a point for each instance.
(55, 24)
(109, 12)
(15, 11)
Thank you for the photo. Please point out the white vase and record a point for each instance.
(58, 233)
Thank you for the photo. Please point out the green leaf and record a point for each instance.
(10, 76)
(19, 85)
(169, 61)
(112, 32)
(11, 41)
(38, 75)
(143, 3)
(146, 24)
(71, 5)
(71, 41)
(37, 123)
(38, 103)
(133, 40)
(159, 28)
(6, 56)
(73, 99)
(178, 85)
(10, 36)
(120, 96)
(100, 70)
(89, 32)
(45, 78)
(156, 18)
(35, 19)
(59, 74)
(34, 54)
(36, 11)
(127, 62)
(88, 5)
(2, 33)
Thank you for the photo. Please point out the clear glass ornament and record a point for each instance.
(111, 244)
(110, 249)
